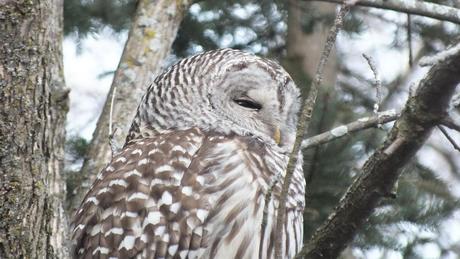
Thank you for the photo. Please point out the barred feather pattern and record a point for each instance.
(191, 181)
(182, 97)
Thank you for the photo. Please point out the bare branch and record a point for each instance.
(340, 131)
(409, 40)
(451, 140)
(377, 82)
(113, 147)
(448, 122)
(427, 9)
(422, 112)
(439, 57)
(304, 121)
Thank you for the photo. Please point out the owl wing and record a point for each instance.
(158, 199)
(142, 203)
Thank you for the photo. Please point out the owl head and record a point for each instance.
(224, 91)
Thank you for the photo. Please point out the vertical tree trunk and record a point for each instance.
(33, 106)
(150, 39)
(303, 53)
(304, 47)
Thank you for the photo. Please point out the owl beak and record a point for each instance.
(277, 135)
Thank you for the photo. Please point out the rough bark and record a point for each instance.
(422, 112)
(33, 106)
(153, 31)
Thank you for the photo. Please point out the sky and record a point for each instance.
(86, 65)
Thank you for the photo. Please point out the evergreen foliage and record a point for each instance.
(83, 17)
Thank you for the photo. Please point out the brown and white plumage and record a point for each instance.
(210, 137)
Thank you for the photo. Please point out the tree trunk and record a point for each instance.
(33, 106)
(304, 47)
(305, 42)
(150, 39)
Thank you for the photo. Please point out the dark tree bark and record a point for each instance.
(33, 106)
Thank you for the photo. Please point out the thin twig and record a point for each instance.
(448, 122)
(409, 39)
(377, 82)
(111, 131)
(310, 168)
(343, 130)
(304, 122)
(422, 8)
(451, 140)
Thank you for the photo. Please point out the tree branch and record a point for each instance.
(409, 40)
(340, 131)
(153, 29)
(451, 140)
(448, 122)
(422, 112)
(304, 122)
(377, 82)
(436, 11)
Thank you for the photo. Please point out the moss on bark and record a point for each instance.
(31, 129)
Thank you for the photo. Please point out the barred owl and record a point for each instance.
(211, 136)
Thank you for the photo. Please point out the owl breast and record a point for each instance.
(189, 194)
(241, 186)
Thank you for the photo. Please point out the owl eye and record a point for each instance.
(248, 104)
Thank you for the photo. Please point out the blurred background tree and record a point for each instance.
(415, 224)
